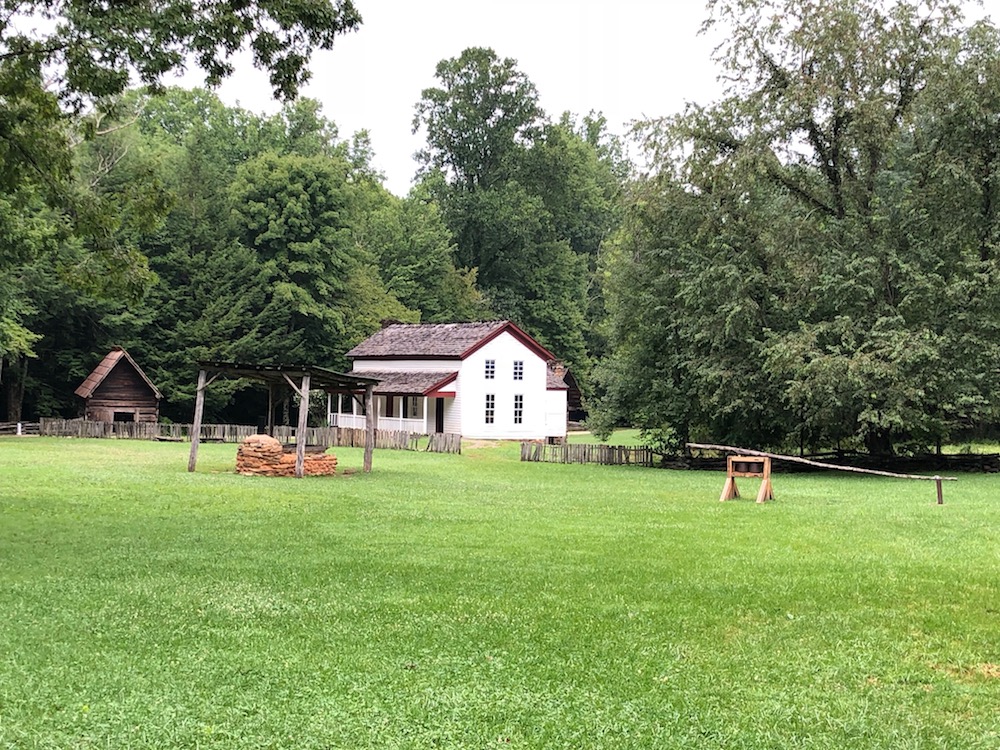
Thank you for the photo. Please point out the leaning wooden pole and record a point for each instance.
(369, 427)
(300, 431)
(817, 464)
(199, 408)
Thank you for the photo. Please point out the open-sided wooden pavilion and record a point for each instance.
(301, 379)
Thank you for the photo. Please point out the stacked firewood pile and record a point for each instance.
(262, 455)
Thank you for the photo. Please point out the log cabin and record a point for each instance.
(119, 391)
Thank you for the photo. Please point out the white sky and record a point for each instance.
(629, 59)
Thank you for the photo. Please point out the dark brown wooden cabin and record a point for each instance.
(119, 391)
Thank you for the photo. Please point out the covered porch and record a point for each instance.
(404, 401)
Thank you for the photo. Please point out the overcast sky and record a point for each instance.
(628, 59)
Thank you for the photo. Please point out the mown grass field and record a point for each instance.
(474, 602)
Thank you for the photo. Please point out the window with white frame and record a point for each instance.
(518, 369)
(411, 407)
(491, 369)
(518, 409)
(491, 403)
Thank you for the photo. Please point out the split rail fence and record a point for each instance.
(583, 453)
(341, 437)
(18, 428)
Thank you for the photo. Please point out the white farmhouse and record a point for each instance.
(481, 380)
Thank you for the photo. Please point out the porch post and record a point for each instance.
(370, 422)
(199, 408)
(270, 409)
(426, 425)
(300, 432)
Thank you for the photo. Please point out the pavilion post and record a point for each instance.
(300, 432)
(369, 427)
(199, 408)
(270, 409)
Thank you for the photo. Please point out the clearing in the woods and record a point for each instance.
(474, 601)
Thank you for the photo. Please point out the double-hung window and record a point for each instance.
(411, 407)
(491, 369)
(491, 403)
(518, 369)
(518, 409)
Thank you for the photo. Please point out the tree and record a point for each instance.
(415, 254)
(115, 196)
(819, 286)
(58, 60)
(96, 48)
(479, 120)
(579, 169)
(261, 257)
(528, 201)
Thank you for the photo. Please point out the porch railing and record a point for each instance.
(357, 421)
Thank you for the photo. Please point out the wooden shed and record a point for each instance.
(119, 391)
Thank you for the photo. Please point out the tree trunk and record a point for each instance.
(15, 374)
(879, 442)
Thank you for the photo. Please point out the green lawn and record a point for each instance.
(618, 437)
(473, 602)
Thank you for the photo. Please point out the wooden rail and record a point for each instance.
(343, 437)
(586, 453)
(18, 428)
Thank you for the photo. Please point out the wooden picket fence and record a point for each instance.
(341, 437)
(582, 453)
(444, 442)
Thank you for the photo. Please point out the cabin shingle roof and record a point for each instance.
(554, 380)
(87, 387)
(445, 340)
(408, 382)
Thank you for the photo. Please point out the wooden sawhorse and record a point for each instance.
(748, 466)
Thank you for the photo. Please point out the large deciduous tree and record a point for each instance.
(296, 214)
(479, 120)
(94, 49)
(258, 259)
(59, 60)
(528, 201)
(818, 246)
(415, 255)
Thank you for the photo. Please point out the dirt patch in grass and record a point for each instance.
(473, 444)
(984, 671)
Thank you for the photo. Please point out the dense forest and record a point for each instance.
(809, 262)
